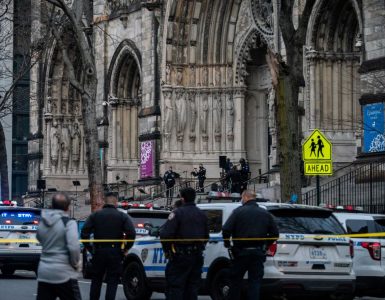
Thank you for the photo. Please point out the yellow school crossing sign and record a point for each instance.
(317, 154)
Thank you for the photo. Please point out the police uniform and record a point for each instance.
(201, 174)
(248, 221)
(245, 171)
(107, 224)
(184, 267)
(169, 179)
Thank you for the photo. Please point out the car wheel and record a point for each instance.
(8, 271)
(220, 285)
(134, 282)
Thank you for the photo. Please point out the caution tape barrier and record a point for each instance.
(363, 235)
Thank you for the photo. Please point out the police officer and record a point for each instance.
(169, 179)
(188, 227)
(245, 173)
(248, 221)
(201, 174)
(107, 224)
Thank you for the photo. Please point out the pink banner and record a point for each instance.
(147, 159)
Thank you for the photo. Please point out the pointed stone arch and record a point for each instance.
(123, 95)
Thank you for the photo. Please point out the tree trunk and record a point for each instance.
(92, 144)
(288, 139)
(3, 166)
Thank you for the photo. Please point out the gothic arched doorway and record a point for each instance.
(124, 98)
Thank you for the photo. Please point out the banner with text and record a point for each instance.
(373, 119)
(147, 159)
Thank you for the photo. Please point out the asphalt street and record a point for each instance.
(22, 286)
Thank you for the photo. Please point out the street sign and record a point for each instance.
(317, 154)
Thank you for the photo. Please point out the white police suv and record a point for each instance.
(307, 260)
(18, 223)
(369, 252)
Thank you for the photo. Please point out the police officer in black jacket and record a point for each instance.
(169, 179)
(107, 224)
(247, 222)
(201, 174)
(184, 237)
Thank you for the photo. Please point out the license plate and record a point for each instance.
(141, 231)
(318, 253)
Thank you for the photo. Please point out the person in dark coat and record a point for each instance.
(246, 222)
(201, 174)
(108, 224)
(188, 225)
(234, 177)
(245, 174)
(169, 179)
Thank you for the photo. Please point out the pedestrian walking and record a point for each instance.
(60, 258)
(169, 179)
(248, 221)
(108, 224)
(234, 177)
(188, 226)
(201, 174)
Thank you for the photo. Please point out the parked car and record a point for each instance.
(306, 261)
(369, 252)
(19, 223)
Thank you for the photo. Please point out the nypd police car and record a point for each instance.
(369, 252)
(307, 260)
(18, 223)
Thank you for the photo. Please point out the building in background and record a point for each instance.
(185, 82)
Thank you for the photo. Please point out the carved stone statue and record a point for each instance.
(63, 108)
(54, 107)
(179, 76)
(205, 80)
(168, 112)
(193, 114)
(230, 115)
(168, 74)
(192, 75)
(76, 144)
(65, 144)
(217, 76)
(54, 136)
(204, 114)
(217, 114)
(76, 110)
(49, 105)
(230, 76)
(181, 115)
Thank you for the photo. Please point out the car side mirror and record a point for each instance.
(154, 232)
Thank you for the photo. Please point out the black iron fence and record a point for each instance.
(363, 187)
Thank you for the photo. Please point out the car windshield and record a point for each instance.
(19, 217)
(306, 221)
(143, 219)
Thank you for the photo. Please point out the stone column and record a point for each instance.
(312, 63)
(127, 132)
(47, 152)
(204, 116)
(113, 135)
(134, 132)
(328, 100)
(339, 96)
(239, 121)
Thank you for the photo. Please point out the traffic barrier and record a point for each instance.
(302, 236)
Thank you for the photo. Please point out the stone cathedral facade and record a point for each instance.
(181, 82)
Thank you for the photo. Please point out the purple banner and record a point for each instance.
(147, 159)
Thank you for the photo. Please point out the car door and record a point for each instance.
(214, 247)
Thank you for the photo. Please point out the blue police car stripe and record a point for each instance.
(163, 268)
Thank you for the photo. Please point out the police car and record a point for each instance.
(369, 252)
(18, 223)
(306, 260)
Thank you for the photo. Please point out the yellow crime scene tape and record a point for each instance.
(363, 235)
